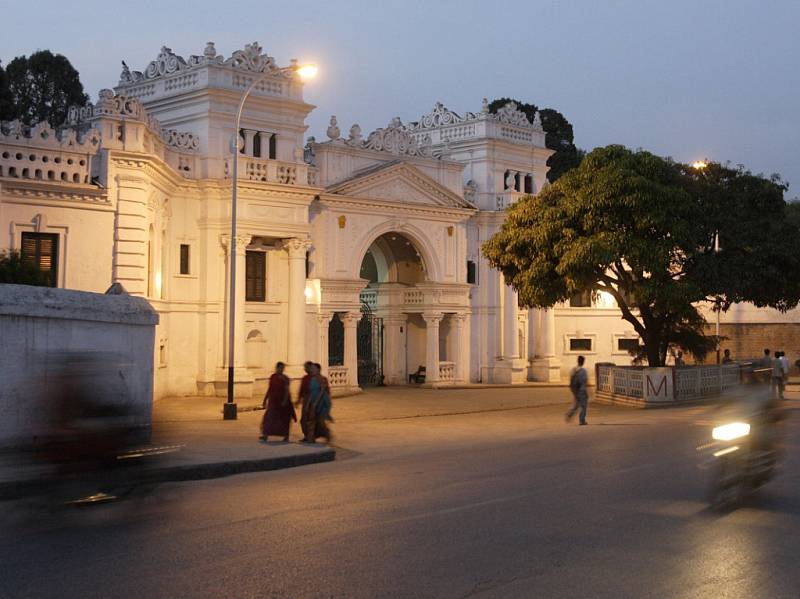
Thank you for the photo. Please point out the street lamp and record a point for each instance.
(700, 165)
(305, 72)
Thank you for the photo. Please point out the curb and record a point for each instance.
(178, 473)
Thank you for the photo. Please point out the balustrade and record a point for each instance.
(268, 171)
(447, 372)
(337, 376)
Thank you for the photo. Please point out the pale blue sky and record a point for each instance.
(717, 79)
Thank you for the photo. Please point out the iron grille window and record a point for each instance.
(580, 345)
(256, 276)
(184, 259)
(40, 250)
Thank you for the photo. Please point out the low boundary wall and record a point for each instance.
(647, 387)
(50, 336)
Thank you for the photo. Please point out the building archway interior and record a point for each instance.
(392, 265)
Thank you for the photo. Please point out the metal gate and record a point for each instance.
(370, 348)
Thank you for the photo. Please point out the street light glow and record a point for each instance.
(699, 164)
(307, 71)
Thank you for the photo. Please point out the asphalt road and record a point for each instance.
(511, 503)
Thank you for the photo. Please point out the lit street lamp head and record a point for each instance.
(699, 164)
(307, 71)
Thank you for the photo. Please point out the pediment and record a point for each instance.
(398, 182)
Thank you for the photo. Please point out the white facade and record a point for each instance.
(136, 189)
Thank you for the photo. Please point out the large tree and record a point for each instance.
(558, 136)
(5, 96)
(42, 87)
(643, 229)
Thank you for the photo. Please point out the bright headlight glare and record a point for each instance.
(729, 432)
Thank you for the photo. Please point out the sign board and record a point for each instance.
(658, 385)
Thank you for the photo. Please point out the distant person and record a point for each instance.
(278, 401)
(785, 365)
(766, 360)
(776, 381)
(679, 361)
(726, 357)
(578, 382)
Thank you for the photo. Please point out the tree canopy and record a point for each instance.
(558, 136)
(42, 87)
(643, 229)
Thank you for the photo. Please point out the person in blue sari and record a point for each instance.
(318, 408)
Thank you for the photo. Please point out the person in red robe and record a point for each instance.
(280, 411)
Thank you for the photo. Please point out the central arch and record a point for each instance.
(424, 248)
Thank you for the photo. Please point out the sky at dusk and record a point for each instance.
(715, 79)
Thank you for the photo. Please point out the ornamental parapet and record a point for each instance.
(443, 126)
(40, 153)
(170, 74)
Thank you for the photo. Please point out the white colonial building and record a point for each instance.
(361, 252)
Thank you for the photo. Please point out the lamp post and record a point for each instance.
(229, 411)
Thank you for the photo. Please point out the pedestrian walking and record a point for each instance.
(726, 357)
(776, 380)
(317, 406)
(679, 361)
(766, 360)
(303, 399)
(278, 402)
(785, 366)
(578, 381)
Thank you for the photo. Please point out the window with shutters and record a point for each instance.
(256, 276)
(40, 250)
(472, 273)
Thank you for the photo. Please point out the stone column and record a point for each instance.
(239, 247)
(461, 345)
(350, 322)
(546, 367)
(510, 319)
(394, 355)
(242, 379)
(323, 324)
(296, 321)
(432, 320)
(249, 136)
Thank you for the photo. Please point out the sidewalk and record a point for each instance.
(209, 447)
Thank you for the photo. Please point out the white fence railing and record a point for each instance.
(447, 372)
(337, 376)
(665, 384)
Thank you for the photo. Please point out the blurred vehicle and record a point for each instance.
(97, 438)
(745, 442)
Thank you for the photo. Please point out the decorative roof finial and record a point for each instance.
(210, 51)
(333, 129)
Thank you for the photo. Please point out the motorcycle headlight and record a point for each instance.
(731, 431)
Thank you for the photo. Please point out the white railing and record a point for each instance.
(413, 296)
(263, 169)
(337, 376)
(694, 382)
(447, 372)
(370, 297)
(685, 383)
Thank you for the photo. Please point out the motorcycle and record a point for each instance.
(744, 450)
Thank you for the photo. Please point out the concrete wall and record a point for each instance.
(42, 329)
